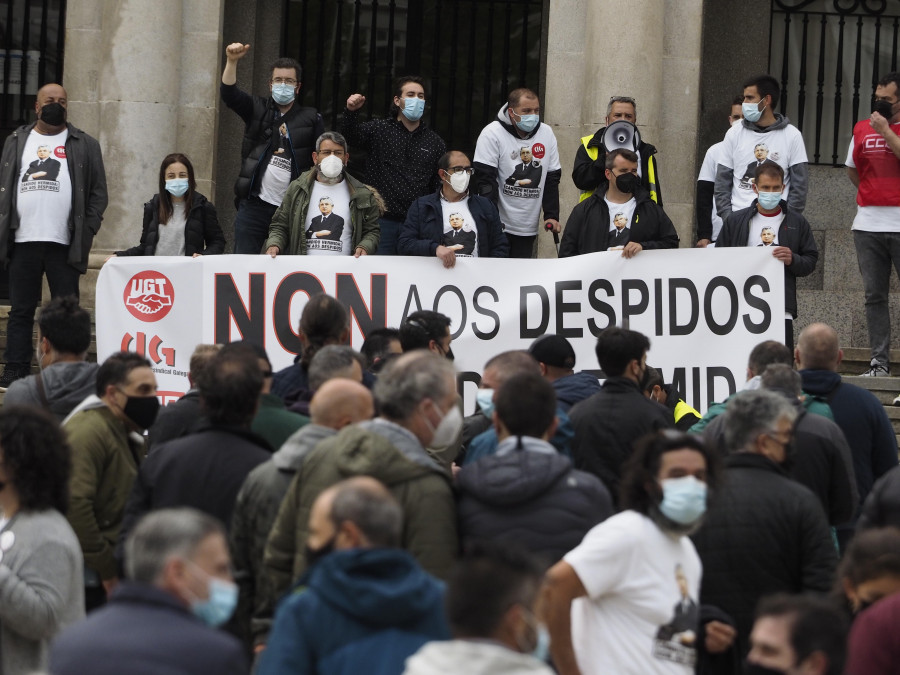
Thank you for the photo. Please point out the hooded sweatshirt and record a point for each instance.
(782, 144)
(356, 611)
(472, 657)
(529, 494)
(66, 384)
(520, 175)
(574, 388)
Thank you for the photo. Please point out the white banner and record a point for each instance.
(703, 310)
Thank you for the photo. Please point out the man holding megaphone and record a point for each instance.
(620, 132)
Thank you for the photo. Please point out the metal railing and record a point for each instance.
(471, 52)
(828, 55)
(31, 54)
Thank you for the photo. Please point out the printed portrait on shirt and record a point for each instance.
(328, 225)
(459, 236)
(528, 170)
(676, 640)
(45, 167)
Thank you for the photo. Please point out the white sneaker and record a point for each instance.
(877, 370)
(897, 400)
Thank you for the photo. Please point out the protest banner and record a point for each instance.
(703, 310)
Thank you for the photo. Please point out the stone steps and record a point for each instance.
(857, 359)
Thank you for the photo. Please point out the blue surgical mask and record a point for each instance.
(283, 93)
(684, 499)
(413, 109)
(222, 601)
(527, 123)
(177, 187)
(769, 200)
(751, 111)
(485, 398)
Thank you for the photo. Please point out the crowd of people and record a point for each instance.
(342, 515)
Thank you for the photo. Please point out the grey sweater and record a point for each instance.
(41, 587)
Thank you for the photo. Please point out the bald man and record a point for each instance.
(336, 404)
(51, 222)
(363, 600)
(857, 411)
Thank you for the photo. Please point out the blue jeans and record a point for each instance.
(390, 235)
(28, 262)
(876, 252)
(251, 225)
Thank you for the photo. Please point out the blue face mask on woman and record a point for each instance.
(177, 187)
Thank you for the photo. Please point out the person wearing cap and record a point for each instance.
(556, 358)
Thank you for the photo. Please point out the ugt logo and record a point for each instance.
(149, 296)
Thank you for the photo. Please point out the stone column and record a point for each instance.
(143, 78)
(648, 50)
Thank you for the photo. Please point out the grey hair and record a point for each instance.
(329, 200)
(752, 413)
(331, 361)
(781, 378)
(163, 534)
(761, 145)
(621, 99)
(332, 136)
(408, 380)
(373, 510)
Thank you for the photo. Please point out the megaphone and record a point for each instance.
(621, 134)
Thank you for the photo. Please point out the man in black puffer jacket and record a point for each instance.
(527, 492)
(766, 533)
(279, 139)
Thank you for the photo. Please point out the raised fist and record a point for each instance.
(236, 51)
(355, 102)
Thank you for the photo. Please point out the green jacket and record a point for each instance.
(287, 230)
(420, 485)
(105, 461)
(274, 422)
(814, 404)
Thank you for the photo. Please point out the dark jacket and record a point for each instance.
(485, 444)
(89, 197)
(589, 174)
(356, 611)
(204, 470)
(763, 534)
(587, 229)
(574, 388)
(145, 631)
(255, 509)
(606, 425)
(882, 507)
(177, 419)
(202, 233)
(532, 498)
(423, 230)
(274, 423)
(793, 233)
(864, 422)
(65, 385)
(261, 121)
(821, 460)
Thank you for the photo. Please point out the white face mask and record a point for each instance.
(459, 181)
(448, 429)
(331, 167)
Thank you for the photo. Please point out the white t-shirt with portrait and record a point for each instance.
(618, 211)
(708, 174)
(739, 153)
(460, 233)
(277, 175)
(44, 199)
(522, 166)
(328, 227)
(635, 620)
(761, 223)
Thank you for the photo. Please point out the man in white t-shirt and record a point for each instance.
(764, 137)
(343, 219)
(873, 165)
(624, 601)
(52, 198)
(517, 167)
(708, 222)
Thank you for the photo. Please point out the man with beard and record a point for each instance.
(632, 569)
(768, 534)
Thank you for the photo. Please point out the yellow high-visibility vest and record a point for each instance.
(594, 152)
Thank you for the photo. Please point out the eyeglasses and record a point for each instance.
(336, 153)
(288, 81)
(465, 169)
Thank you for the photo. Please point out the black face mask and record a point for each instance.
(883, 108)
(314, 555)
(756, 669)
(627, 182)
(141, 410)
(53, 114)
